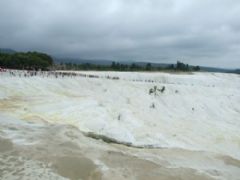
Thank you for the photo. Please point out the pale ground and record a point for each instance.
(193, 131)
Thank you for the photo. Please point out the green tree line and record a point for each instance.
(116, 66)
(37, 60)
(28, 60)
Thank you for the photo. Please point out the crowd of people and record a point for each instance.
(60, 74)
(55, 74)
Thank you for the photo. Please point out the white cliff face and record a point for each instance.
(196, 112)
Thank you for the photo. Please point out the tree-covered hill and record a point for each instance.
(28, 60)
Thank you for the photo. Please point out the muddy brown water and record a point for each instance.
(47, 151)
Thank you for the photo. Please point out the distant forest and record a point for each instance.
(36, 61)
(29, 60)
(116, 66)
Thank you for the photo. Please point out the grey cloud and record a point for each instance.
(198, 32)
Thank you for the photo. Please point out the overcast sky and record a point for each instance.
(199, 32)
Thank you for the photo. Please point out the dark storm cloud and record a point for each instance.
(198, 32)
